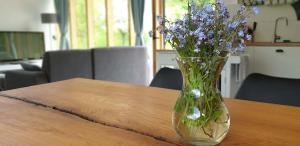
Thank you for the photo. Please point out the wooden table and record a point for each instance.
(87, 112)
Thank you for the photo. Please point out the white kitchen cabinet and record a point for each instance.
(166, 59)
(276, 61)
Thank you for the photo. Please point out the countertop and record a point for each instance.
(292, 44)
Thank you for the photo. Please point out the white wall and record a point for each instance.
(25, 15)
(266, 23)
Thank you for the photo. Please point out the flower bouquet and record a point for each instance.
(203, 38)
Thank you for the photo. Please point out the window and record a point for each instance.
(99, 23)
(120, 22)
(174, 9)
(81, 24)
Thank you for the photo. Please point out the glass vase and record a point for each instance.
(200, 116)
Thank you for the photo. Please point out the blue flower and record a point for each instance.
(233, 25)
(209, 8)
(228, 45)
(210, 34)
(160, 20)
(168, 37)
(256, 10)
(248, 37)
(242, 9)
(244, 21)
(202, 36)
(209, 21)
(182, 41)
(224, 13)
(196, 92)
(179, 22)
(195, 115)
(241, 33)
(242, 46)
(160, 29)
(220, 2)
(151, 33)
(210, 41)
(220, 32)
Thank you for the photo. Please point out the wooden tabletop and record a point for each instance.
(87, 112)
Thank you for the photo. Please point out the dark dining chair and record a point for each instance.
(167, 78)
(264, 88)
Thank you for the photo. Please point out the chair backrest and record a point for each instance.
(263, 88)
(67, 64)
(121, 64)
(168, 78)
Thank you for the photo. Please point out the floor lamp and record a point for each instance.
(49, 18)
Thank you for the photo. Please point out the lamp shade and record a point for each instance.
(49, 18)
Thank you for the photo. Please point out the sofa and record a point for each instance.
(118, 64)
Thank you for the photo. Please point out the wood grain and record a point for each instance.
(148, 111)
(23, 124)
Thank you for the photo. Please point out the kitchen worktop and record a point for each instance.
(292, 44)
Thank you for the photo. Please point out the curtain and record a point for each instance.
(62, 10)
(137, 7)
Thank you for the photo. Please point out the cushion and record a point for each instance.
(121, 64)
(30, 67)
(68, 64)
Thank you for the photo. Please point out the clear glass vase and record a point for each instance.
(200, 116)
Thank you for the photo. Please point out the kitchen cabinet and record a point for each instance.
(166, 58)
(276, 61)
